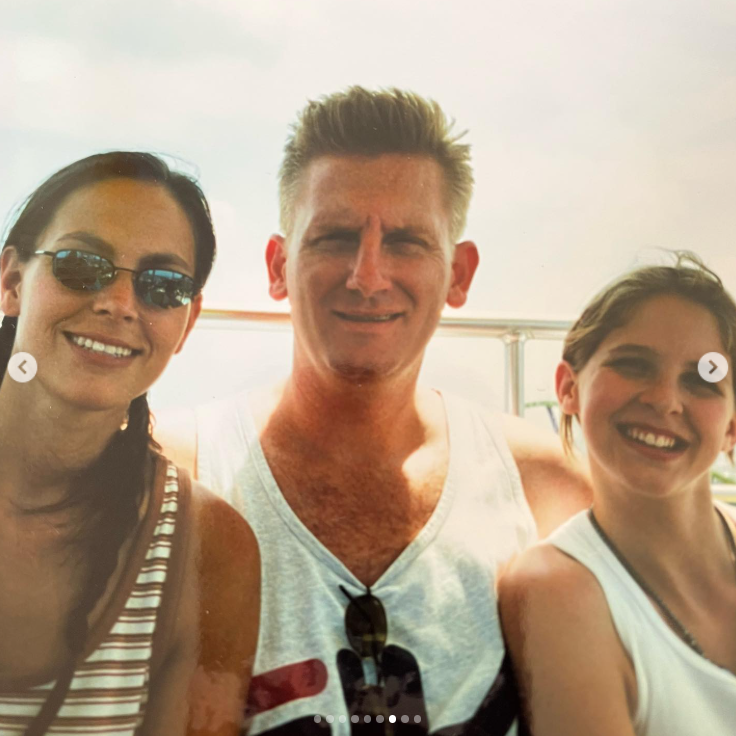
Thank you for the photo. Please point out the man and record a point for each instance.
(382, 508)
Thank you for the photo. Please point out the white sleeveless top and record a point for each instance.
(444, 639)
(680, 693)
(109, 690)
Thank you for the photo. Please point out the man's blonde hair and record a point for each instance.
(361, 122)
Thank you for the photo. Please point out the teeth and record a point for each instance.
(649, 438)
(99, 347)
(369, 317)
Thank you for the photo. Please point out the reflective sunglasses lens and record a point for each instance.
(82, 271)
(365, 625)
(165, 289)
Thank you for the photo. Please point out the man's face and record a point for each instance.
(369, 264)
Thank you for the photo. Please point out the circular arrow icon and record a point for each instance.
(22, 367)
(713, 367)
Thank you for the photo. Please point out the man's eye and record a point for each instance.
(337, 242)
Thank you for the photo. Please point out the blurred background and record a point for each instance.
(601, 131)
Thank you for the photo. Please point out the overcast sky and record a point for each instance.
(599, 128)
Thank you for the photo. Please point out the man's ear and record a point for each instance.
(10, 280)
(464, 263)
(566, 386)
(196, 308)
(276, 263)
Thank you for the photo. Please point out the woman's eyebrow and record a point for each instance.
(104, 248)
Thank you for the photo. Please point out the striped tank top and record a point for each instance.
(109, 688)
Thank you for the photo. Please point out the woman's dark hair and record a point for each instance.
(108, 494)
(688, 278)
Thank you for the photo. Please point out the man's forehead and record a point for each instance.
(402, 190)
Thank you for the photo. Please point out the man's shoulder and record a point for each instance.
(181, 430)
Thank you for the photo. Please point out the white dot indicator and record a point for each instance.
(317, 719)
(713, 367)
(392, 719)
(330, 719)
(343, 719)
(367, 719)
(379, 719)
(405, 719)
(354, 719)
(417, 719)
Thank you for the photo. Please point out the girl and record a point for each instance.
(624, 621)
(128, 598)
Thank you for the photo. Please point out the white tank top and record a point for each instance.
(680, 693)
(444, 639)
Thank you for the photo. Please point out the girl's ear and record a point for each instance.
(729, 441)
(566, 386)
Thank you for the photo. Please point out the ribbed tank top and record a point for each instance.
(680, 693)
(109, 689)
(444, 638)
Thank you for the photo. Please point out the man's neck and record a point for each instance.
(374, 418)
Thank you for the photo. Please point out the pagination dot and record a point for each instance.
(330, 719)
(417, 719)
(392, 719)
(379, 719)
(318, 719)
(405, 719)
(354, 719)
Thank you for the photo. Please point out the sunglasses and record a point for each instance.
(155, 287)
(367, 630)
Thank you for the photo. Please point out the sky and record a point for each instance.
(600, 129)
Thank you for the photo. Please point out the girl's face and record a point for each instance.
(135, 225)
(651, 423)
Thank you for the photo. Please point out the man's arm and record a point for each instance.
(176, 431)
(574, 676)
(556, 486)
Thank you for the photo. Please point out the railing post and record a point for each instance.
(514, 372)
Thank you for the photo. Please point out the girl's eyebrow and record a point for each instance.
(634, 348)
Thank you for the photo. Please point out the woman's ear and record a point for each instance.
(566, 386)
(10, 280)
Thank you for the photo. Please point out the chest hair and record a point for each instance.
(365, 513)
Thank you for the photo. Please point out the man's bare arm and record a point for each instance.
(556, 486)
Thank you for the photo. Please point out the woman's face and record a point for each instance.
(135, 225)
(651, 423)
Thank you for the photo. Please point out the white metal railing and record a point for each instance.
(514, 334)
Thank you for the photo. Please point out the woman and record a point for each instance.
(624, 621)
(128, 598)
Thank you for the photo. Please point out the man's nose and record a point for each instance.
(369, 271)
(118, 298)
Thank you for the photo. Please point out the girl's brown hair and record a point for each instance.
(689, 278)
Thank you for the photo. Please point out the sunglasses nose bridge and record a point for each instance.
(118, 294)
